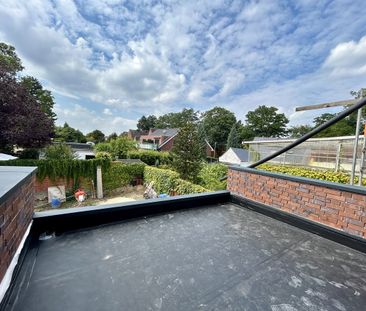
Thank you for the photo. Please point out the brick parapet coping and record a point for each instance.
(342, 207)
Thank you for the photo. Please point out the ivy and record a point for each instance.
(69, 169)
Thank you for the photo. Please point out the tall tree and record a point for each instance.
(218, 123)
(67, 133)
(343, 127)
(43, 97)
(112, 136)
(177, 119)
(267, 122)
(146, 123)
(299, 130)
(22, 122)
(9, 60)
(233, 139)
(95, 136)
(202, 139)
(187, 154)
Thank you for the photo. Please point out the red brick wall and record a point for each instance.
(340, 209)
(168, 146)
(15, 216)
(42, 185)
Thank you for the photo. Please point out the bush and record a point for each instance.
(59, 152)
(327, 175)
(150, 156)
(119, 174)
(210, 175)
(103, 155)
(28, 153)
(168, 181)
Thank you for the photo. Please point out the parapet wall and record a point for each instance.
(16, 210)
(339, 206)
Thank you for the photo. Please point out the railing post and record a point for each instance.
(355, 146)
(338, 157)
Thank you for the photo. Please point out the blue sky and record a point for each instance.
(109, 62)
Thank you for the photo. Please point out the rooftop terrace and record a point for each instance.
(210, 257)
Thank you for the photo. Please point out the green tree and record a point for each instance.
(146, 123)
(9, 60)
(187, 154)
(67, 133)
(43, 97)
(111, 136)
(118, 147)
(233, 139)
(218, 123)
(202, 139)
(267, 122)
(299, 130)
(95, 136)
(177, 119)
(59, 152)
(343, 127)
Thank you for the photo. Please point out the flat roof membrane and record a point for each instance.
(217, 257)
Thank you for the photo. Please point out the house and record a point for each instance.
(136, 134)
(235, 156)
(158, 139)
(161, 140)
(82, 151)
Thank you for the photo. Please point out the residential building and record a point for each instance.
(235, 156)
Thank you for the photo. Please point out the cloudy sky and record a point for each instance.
(108, 62)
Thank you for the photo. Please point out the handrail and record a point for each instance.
(359, 104)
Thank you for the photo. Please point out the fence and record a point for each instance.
(328, 153)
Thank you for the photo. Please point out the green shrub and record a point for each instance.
(168, 181)
(150, 156)
(103, 155)
(119, 174)
(210, 175)
(327, 175)
(28, 153)
(61, 168)
(59, 152)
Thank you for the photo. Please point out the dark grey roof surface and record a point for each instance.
(220, 257)
(242, 154)
(165, 132)
(11, 176)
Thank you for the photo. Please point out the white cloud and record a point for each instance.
(107, 111)
(157, 57)
(88, 120)
(347, 59)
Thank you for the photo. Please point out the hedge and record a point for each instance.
(327, 175)
(68, 169)
(150, 156)
(168, 181)
(210, 175)
(119, 174)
